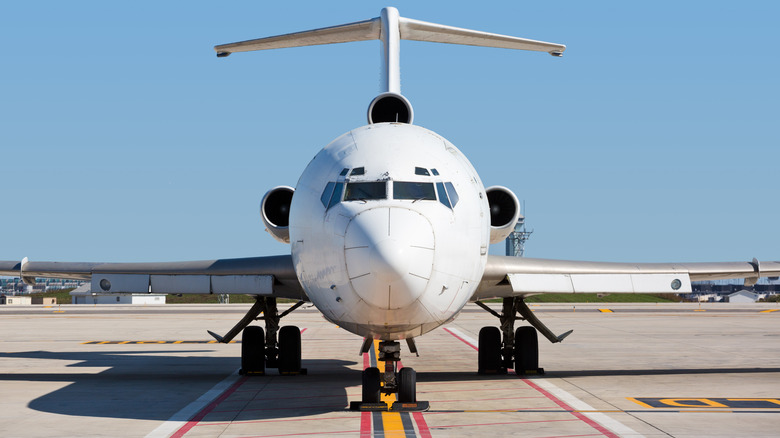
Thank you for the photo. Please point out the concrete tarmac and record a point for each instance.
(676, 370)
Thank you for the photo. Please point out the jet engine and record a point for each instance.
(390, 107)
(504, 212)
(275, 211)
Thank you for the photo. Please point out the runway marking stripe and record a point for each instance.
(210, 407)
(551, 388)
(706, 402)
(769, 311)
(606, 311)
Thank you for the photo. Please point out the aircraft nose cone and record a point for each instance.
(389, 256)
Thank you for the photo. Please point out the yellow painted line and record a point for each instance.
(769, 311)
(104, 342)
(59, 311)
(699, 310)
(391, 421)
(178, 342)
(643, 404)
(125, 342)
(605, 310)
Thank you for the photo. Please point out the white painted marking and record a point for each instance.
(577, 404)
(473, 342)
(599, 417)
(181, 418)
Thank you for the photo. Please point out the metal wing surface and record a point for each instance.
(272, 276)
(520, 276)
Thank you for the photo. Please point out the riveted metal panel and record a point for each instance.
(181, 284)
(242, 284)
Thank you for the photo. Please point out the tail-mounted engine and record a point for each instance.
(275, 211)
(504, 212)
(390, 107)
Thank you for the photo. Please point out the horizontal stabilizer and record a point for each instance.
(359, 31)
(437, 33)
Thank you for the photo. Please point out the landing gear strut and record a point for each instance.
(500, 350)
(375, 383)
(259, 348)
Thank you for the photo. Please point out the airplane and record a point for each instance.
(389, 227)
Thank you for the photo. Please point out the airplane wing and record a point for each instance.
(272, 276)
(519, 276)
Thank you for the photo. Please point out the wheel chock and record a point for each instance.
(410, 407)
(368, 407)
(538, 371)
(301, 372)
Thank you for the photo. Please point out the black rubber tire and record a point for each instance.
(371, 385)
(489, 355)
(289, 349)
(253, 350)
(407, 385)
(526, 350)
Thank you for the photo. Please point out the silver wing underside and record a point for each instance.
(520, 276)
(267, 276)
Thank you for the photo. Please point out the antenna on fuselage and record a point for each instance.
(390, 28)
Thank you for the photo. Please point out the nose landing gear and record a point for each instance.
(391, 381)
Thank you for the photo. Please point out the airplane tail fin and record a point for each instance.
(390, 28)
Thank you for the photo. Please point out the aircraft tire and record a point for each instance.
(371, 385)
(407, 385)
(253, 350)
(489, 355)
(526, 350)
(289, 350)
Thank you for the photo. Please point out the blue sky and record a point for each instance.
(655, 138)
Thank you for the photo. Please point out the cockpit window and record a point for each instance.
(435, 172)
(453, 194)
(443, 195)
(413, 190)
(364, 191)
(421, 171)
(344, 172)
(326, 194)
(339, 187)
(358, 171)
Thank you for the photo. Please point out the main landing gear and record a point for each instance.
(260, 348)
(391, 381)
(500, 350)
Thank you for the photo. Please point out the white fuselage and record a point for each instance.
(376, 242)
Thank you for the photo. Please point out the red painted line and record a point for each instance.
(422, 426)
(560, 403)
(210, 407)
(461, 339)
(365, 417)
(579, 415)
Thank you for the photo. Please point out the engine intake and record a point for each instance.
(390, 107)
(275, 211)
(504, 212)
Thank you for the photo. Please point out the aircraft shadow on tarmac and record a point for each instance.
(155, 385)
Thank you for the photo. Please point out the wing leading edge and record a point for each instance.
(268, 276)
(515, 276)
